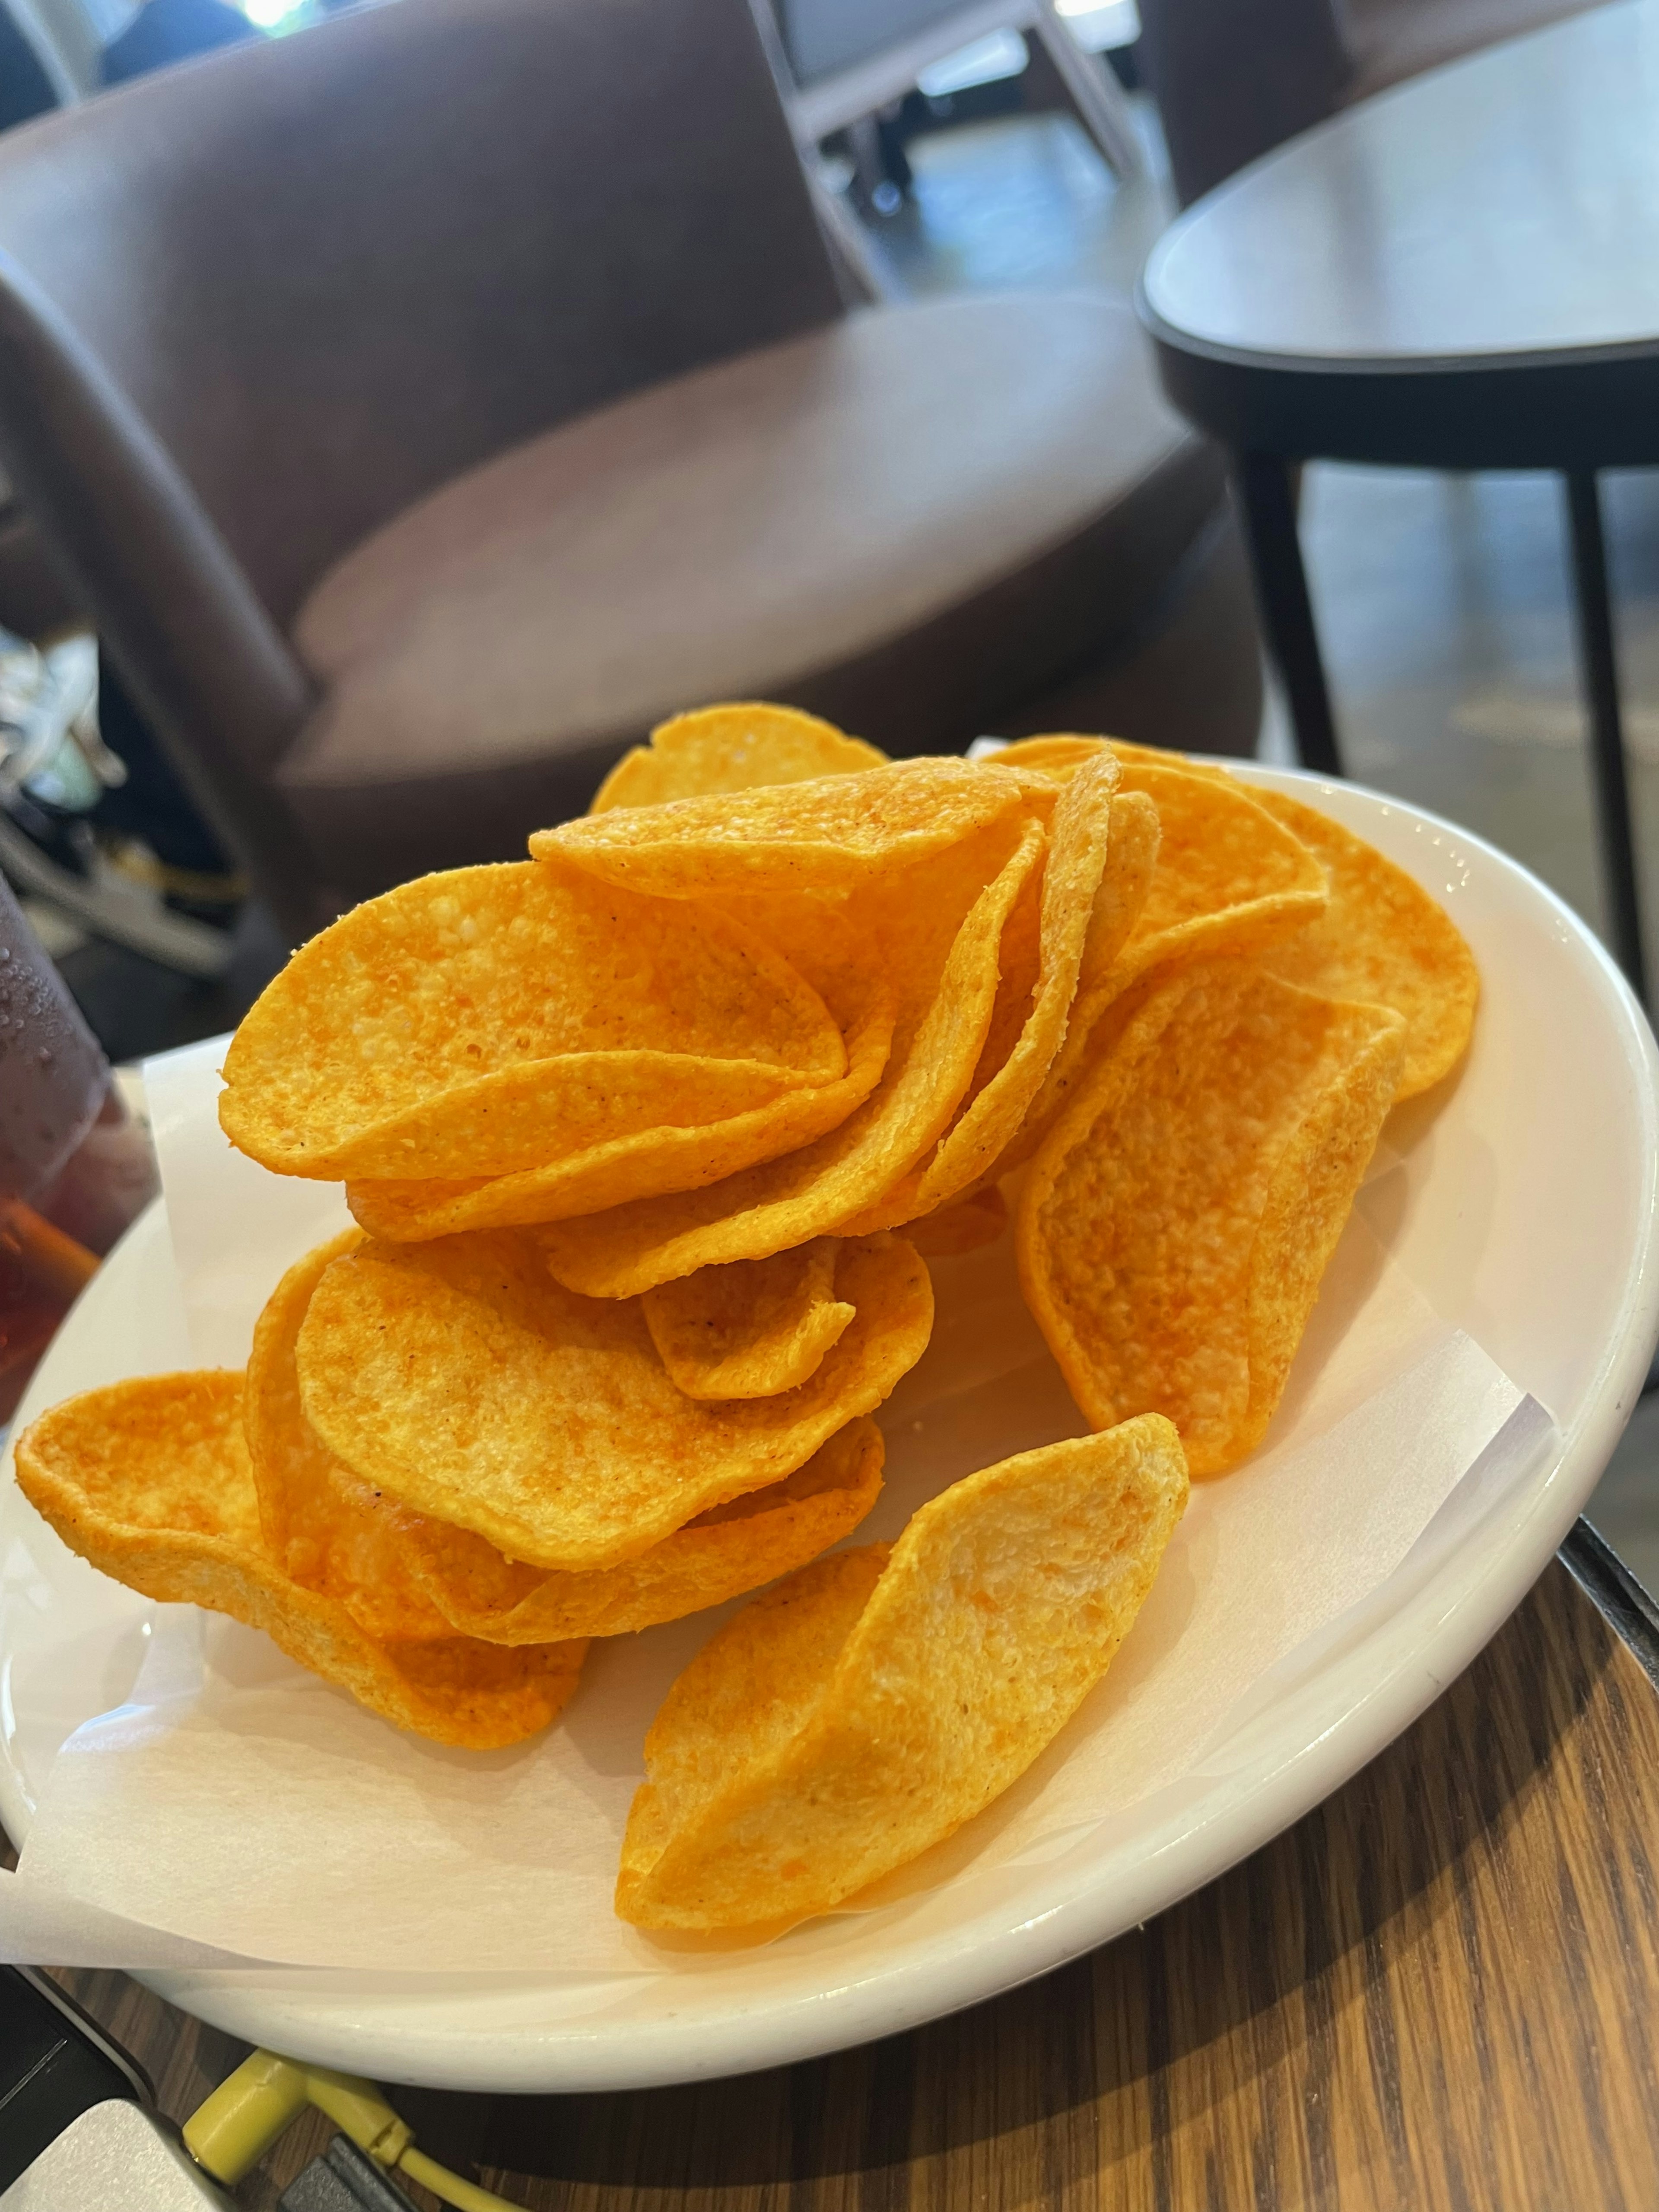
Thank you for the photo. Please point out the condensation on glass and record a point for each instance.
(74, 1168)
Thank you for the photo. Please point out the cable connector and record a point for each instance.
(231, 2132)
(233, 2128)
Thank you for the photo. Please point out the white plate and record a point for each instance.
(1529, 1219)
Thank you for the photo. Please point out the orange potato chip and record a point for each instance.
(150, 1480)
(323, 1527)
(752, 1329)
(1059, 755)
(1064, 752)
(732, 1548)
(401, 1574)
(1381, 939)
(731, 748)
(647, 1165)
(962, 1226)
(462, 1379)
(863, 1710)
(1034, 1010)
(1175, 1222)
(936, 936)
(1134, 756)
(1228, 879)
(836, 834)
(494, 1019)
(1136, 837)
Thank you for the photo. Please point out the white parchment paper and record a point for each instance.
(234, 1807)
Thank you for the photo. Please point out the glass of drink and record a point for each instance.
(74, 1168)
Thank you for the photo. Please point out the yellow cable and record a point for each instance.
(231, 2130)
(358, 2108)
(465, 2196)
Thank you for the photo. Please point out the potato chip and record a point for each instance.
(751, 1329)
(731, 748)
(1175, 1225)
(493, 1019)
(1021, 1046)
(462, 1379)
(962, 1226)
(1019, 972)
(150, 1480)
(647, 1165)
(1062, 754)
(322, 1528)
(1381, 939)
(866, 1708)
(836, 834)
(1134, 756)
(734, 1548)
(1228, 879)
(399, 1574)
(936, 935)
(1136, 837)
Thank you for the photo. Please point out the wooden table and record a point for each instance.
(1440, 1989)
(1463, 273)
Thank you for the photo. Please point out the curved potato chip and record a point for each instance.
(936, 934)
(733, 1548)
(1061, 754)
(462, 1379)
(150, 1480)
(962, 1226)
(1136, 838)
(1019, 1052)
(323, 1527)
(734, 747)
(1134, 756)
(401, 1574)
(1227, 880)
(1118, 901)
(835, 833)
(647, 1165)
(1381, 939)
(752, 1329)
(1177, 1219)
(866, 1708)
(493, 1019)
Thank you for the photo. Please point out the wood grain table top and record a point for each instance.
(1439, 1990)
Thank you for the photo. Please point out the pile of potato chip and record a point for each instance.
(648, 1137)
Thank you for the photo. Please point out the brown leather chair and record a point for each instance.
(427, 403)
(1235, 78)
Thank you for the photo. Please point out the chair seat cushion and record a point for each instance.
(908, 521)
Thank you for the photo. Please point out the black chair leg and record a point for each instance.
(1601, 677)
(1268, 494)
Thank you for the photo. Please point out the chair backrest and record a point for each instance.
(822, 37)
(1234, 78)
(251, 309)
